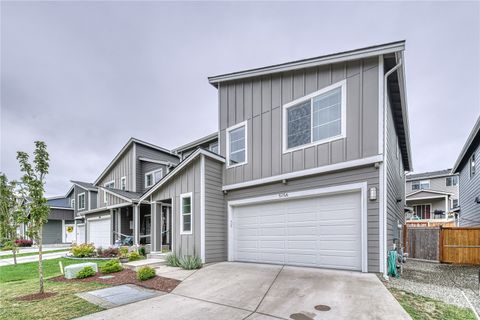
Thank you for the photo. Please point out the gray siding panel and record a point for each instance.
(262, 103)
(369, 174)
(60, 214)
(437, 184)
(52, 232)
(215, 213)
(469, 190)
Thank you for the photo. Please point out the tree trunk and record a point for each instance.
(40, 264)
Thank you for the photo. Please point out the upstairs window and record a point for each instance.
(421, 185)
(213, 147)
(455, 203)
(186, 213)
(472, 165)
(451, 181)
(237, 145)
(123, 183)
(81, 201)
(316, 118)
(153, 177)
(110, 185)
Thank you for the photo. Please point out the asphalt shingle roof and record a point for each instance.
(429, 174)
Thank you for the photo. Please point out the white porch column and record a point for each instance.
(446, 207)
(75, 229)
(153, 228)
(136, 225)
(111, 227)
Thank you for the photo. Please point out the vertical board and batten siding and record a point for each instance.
(259, 101)
(469, 190)
(437, 184)
(122, 168)
(76, 191)
(187, 180)
(367, 174)
(145, 167)
(141, 168)
(215, 213)
(395, 188)
(93, 200)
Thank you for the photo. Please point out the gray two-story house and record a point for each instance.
(310, 171)
(433, 196)
(469, 173)
(84, 199)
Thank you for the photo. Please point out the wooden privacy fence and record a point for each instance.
(455, 245)
(460, 245)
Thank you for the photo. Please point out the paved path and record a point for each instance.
(232, 290)
(45, 256)
(30, 250)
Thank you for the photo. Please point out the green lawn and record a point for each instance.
(9, 256)
(23, 279)
(423, 308)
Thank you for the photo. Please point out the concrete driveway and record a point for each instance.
(233, 290)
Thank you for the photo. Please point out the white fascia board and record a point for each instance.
(60, 208)
(166, 163)
(308, 172)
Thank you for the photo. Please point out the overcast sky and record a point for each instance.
(86, 76)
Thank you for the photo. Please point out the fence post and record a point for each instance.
(440, 244)
(405, 233)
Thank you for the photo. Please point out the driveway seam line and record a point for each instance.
(217, 303)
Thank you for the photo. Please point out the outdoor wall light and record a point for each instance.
(373, 193)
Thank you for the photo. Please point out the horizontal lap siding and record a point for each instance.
(469, 190)
(366, 174)
(215, 213)
(259, 101)
(437, 184)
(185, 181)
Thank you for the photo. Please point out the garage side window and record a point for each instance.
(237, 145)
(186, 213)
(81, 201)
(316, 118)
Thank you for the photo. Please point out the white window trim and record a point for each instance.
(153, 177)
(238, 125)
(78, 199)
(182, 196)
(105, 192)
(72, 203)
(420, 182)
(122, 179)
(341, 84)
(472, 163)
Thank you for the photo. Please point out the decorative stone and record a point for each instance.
(72, 270)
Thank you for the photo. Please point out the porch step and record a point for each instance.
(158, 255)
(134, 265)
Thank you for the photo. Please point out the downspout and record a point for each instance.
(385, 160)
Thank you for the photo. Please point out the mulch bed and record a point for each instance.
(36, 296)
(127, 276)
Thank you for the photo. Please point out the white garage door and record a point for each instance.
(80, 233)
(319, 232)
(99, 232)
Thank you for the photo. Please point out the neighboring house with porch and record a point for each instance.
(310, 170)
(119, 216)
(467, 169)
(433, 197)
(84, 199)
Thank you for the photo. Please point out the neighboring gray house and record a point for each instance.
(118, 214)
(469, 173)
(310, 171)
(209, 142)
(85, 198)
(60, 225)
(433, 195)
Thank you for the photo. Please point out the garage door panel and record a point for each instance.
(322, 232)
(99, 232)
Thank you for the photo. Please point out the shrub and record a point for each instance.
(83, 250)
(23, 243)
(172, 260)
(145, 273)
(142, 251)
(7, 245)
(123, 252)
(112, 266)
(191, 262)
(85, 273)
(108, 253)
(134, 256)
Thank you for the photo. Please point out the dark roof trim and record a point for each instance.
(311, 62)
(430, 175)
(469, 143)
(197, 142)
(84, 185)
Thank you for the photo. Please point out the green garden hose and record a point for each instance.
(392, 263)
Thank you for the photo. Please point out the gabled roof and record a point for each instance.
(179, 167)
(211, 137)
(85, 185)
(122, 151)
(430, 174)
(435, 192)
(123, 194)
(470, 144)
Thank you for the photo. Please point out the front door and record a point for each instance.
(69, 233)
(166, 228)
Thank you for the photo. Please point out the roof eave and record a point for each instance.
(471, 137)
(194, 143)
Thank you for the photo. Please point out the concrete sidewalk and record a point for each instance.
(35, 249)
(232, 290)
(45, 256)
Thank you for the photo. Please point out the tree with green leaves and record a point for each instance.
(12, 213)
(33, 182)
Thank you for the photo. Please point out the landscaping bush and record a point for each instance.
(123, 252)
(23, 243)
(191, 262)
(85, 273)
(108, 253)
(83, 250)
(7, 245)
(142, 251)
(145, 273)
(112, 266)
(172, 260)
(134, 256)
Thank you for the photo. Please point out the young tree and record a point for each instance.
(12, 213)
(33, 180)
